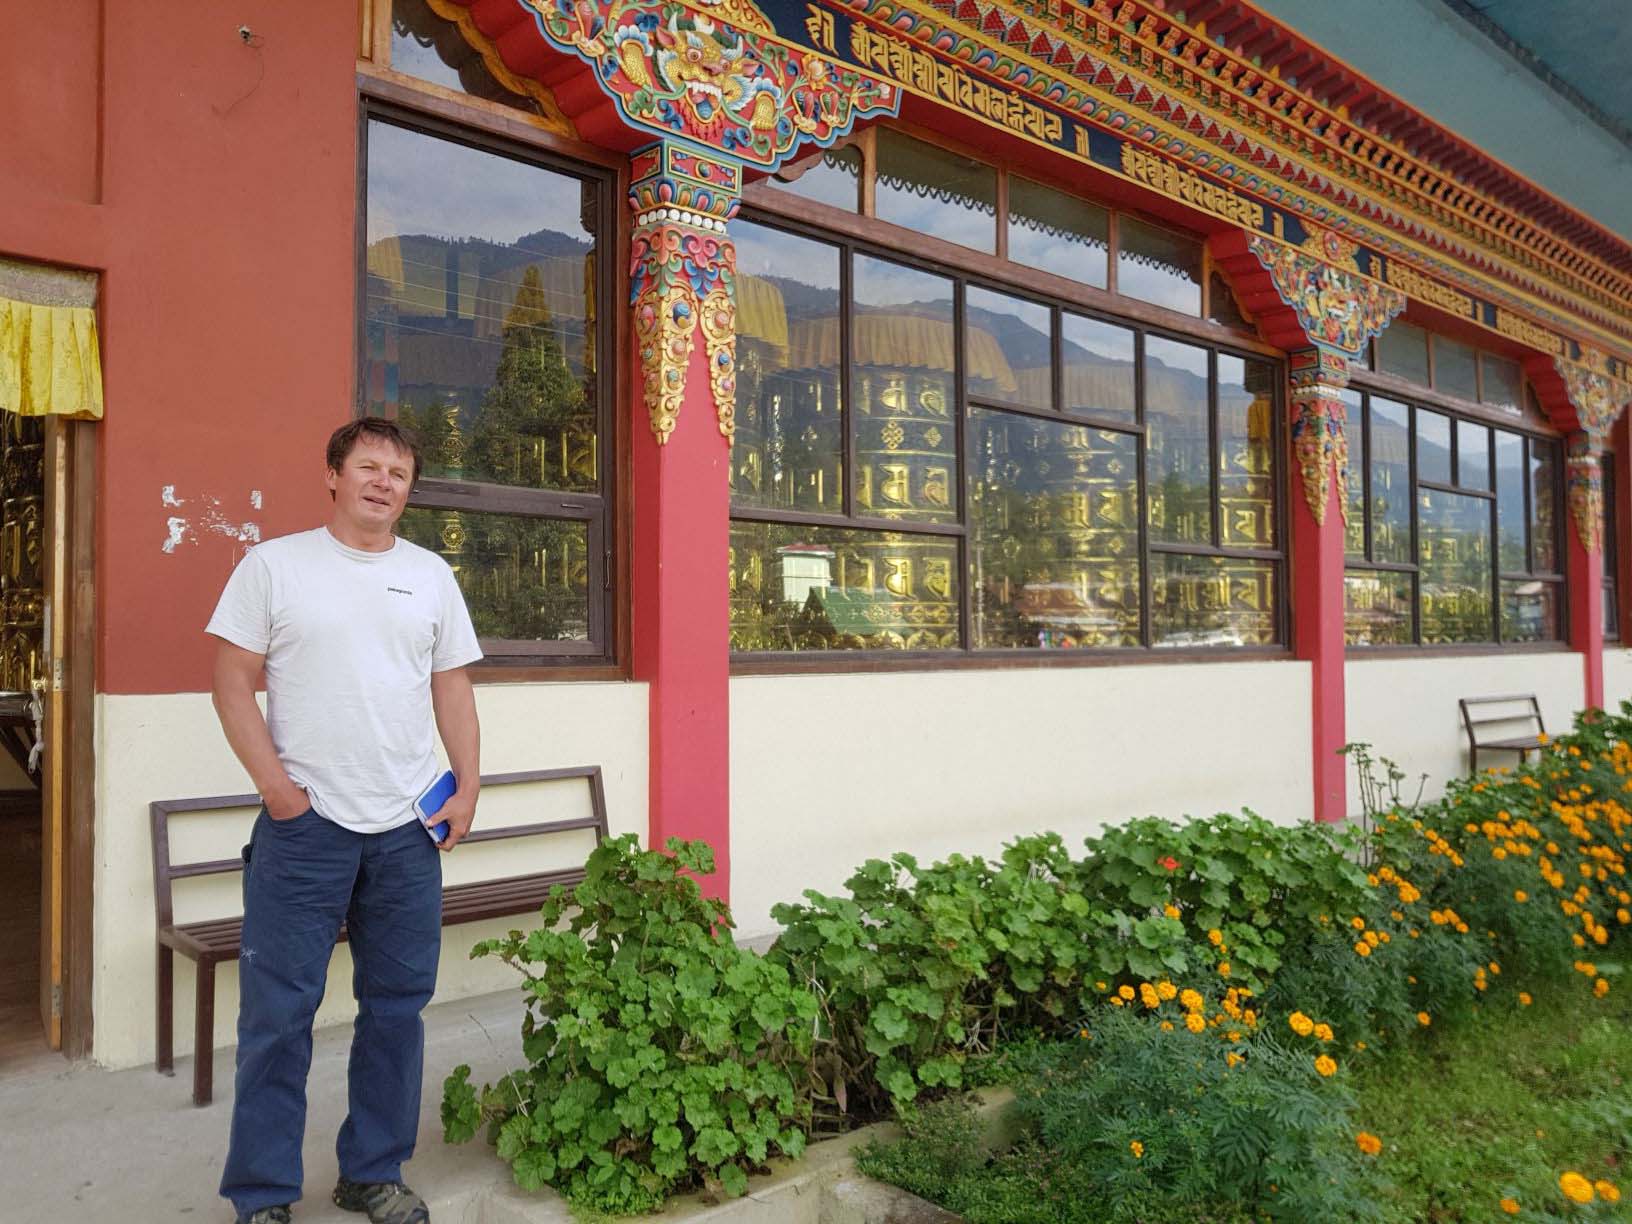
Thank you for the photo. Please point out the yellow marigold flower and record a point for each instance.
(1300, 1024)
(1082, 1033)
(1384, 936)
(1223, 968)
(1172, 911)
(1167, 1026)
(1358, 923)
(1099, 986)
(1575, 1187)
(1138, 1149)
(1326, 1065)
(1601, 987)
(1362, 948)
(1623, 917)
(1607, 1190)
(1368, 1143)
(1510, 1205)
(1424, 1019)
(1360, 1046)
(1498, 854)
(1125, 992)
(1372, 938)
(1520, 895)
(1323, 1032)
(1166, 990)
(1396, 915)
(1524, 998)
(1116, 1001)
(1232, 1059)
(1195, 1022)
(1191, 1000)
(1215, 937)
(1148, 995)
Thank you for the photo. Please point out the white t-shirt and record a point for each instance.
(351, 639)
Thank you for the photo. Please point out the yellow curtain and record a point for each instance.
(49, 357)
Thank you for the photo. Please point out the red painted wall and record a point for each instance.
(225, 229)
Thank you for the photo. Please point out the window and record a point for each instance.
(480, 329)
(1449, 367)
(1452, 529)
(431, 48)
(926, 463)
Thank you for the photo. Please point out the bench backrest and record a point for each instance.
(1506, 716)
(166, 872)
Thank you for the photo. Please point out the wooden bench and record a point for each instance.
(1509, 723)
(210, 942)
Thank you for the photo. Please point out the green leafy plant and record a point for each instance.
(660, 1055)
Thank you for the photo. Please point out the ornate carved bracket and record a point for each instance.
(1597, 400)
(713, 73)
(1319, 437)
(683, 274)
(1337, 307)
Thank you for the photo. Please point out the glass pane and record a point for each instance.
(1157, 265)
(825, 588)
(1529, 610)
(1057, 232)
(935, 192)
(1098, 367)
(431, 48)
(1543, 507)
(789, 448)
(1455, 367)
(479, 311)
(524, 579)
(1376, 608)
(1433, 447)
(906, 431)
(1510, 556)
(1390, 481)
(1453, 543)
(1246, 452)
(1211, 601)
(1503, 384)
(1472, 455)
(1178, 473)
(1354, 529)
(1024, 334)
(833, 177)
(1402, 349)
(1612, 611)
(1053, 533)
(1222, 306)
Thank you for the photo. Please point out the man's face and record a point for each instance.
(371, 489)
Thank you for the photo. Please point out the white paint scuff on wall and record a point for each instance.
(181, 530)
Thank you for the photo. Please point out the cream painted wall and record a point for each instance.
(170, 747)
(827, 771)
(1617, 675)
(1405, 707)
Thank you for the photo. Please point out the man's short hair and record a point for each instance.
(343, 440)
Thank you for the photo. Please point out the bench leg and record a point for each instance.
(204, 1035)
(164, 999)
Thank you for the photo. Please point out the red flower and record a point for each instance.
(1170, 863)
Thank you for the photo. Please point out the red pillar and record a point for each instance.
(682, 294)
(1320, 464)
(1584, 562)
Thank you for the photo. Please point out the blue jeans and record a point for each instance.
(302, 877)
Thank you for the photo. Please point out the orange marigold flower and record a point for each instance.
(1601, 987)
(1524, 998)
(1166, 990)
(1172, 911)
(1223, 968)
(1575, 1187)
(1323, 1032)
(1215, 937)
(1326, 1065)
(1424, 1019)
(1358, 923)
(1300, 1024)
(1138, 1149)
(1510, 1205)
(1195, 1022)
(1607, 1190)
(1125, 992)
(1368, 1143)
(1520, 895)
(1362, 948)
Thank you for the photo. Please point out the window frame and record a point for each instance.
(1415, 399)
(603, 510)
(871, 238)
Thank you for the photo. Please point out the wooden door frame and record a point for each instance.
(68, 787)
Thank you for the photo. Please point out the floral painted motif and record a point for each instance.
(1585, 483)
(1336, 306)
(1596, 398)
(1319, 438)
(714, 78)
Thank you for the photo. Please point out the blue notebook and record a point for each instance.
(430, 802)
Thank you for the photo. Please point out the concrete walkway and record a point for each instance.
(80, 1144)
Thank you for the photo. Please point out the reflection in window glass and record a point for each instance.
(935, 192)
(1178, 473)
(1098, 367)
(1390, 482)
(1433, 447)
(902, 346)
(789, 445)
(1510, 551)
(1054, 533)
(1402, 349)
(1502, 384)
(1246, 452)
(1453, 546)
(1211, 601)
(1376, 608)
(1354, 526)
(824, 588)
(1024, 333)
(1529, 610)
(1472, 455)
(479, 311)
(832, 177)
(1455, 368)
(1543, 507)
(1057, 232)
(1222, 306)
(431, 48)
(524, 579)
(1156, 265)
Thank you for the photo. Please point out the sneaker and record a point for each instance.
(385, 1202)
(268, 1215)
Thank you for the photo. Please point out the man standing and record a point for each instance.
(364, 639)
